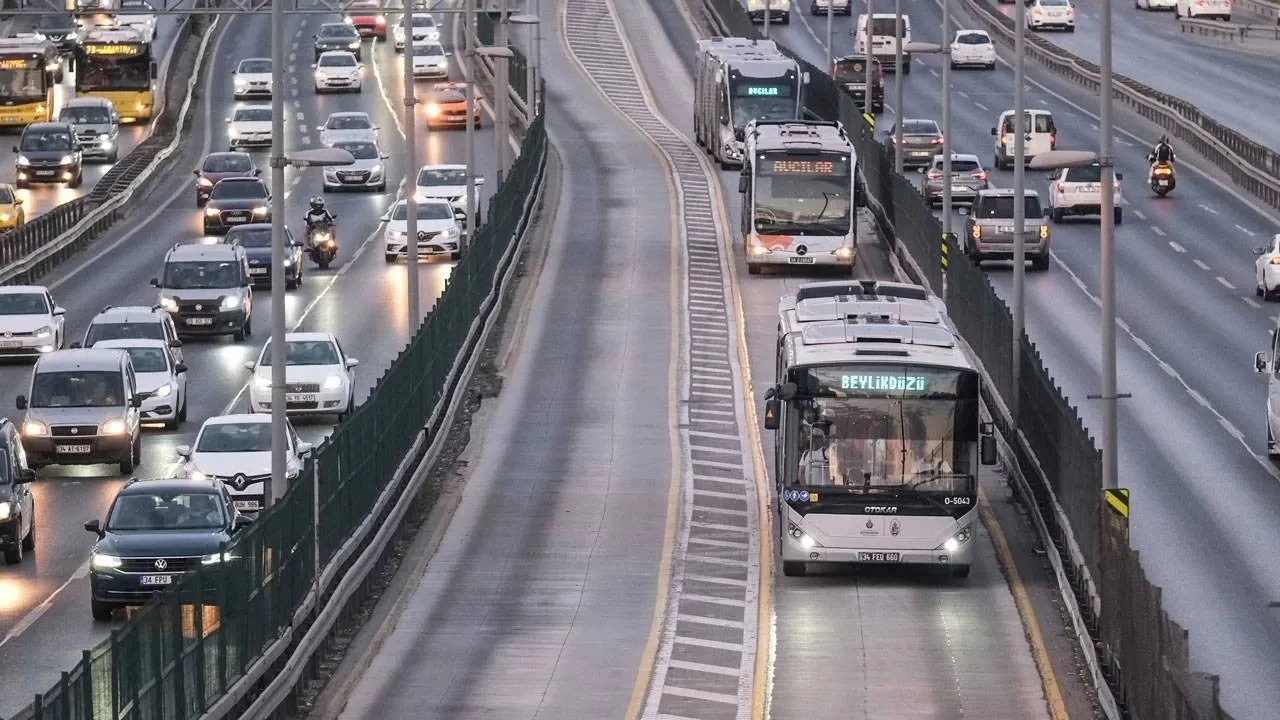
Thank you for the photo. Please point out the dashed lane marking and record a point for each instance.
(1251, 302)
(1223, 282)
(1157, 231)
(1201, 264)
(1177, 247)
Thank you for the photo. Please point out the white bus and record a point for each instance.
(877, 432)
(798, 187)
(737, 80)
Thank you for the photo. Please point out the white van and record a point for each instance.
(1042, 136)
(884, 39)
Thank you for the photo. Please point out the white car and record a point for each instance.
(252, 78)
(1043, 14)
(338, 70)
(1078, 191)
(1156, 4)
(1209, 9)
(144, 22)
(31, 323)
(236, 449)
(836, 7)
(318, 375)
(430, 61)
(367, 172)
(446, 182)
(973, 47)
(425, 31)
(158, 373)
(438, 230)
(250, 126)
(348, 127)
(1268, 270)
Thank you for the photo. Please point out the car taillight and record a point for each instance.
(1053, 138)
(976, 232)
(1062, 187)
(934, 175)
(979, 175)
(937, 141)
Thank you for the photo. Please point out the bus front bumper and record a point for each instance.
(792, 551)
(840, 257)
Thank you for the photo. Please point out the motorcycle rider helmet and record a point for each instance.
(317, 204)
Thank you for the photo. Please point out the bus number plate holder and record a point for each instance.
(879, 557)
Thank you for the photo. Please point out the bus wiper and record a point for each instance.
(930, 476)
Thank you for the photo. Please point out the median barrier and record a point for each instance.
(1229, 31)
(1139, 656)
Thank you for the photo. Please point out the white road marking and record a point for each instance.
(982, 107)
(1223, 282)
(1177, 247)
(304, 117)
(1251, 302)
(963, 94)
(1139, 214)
(1208, 209)
(1157, 231)
(1201, 264)
(1245, 230)
(935, 72)
(701, 620)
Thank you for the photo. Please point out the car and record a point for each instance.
(161, 379)
(220, 166)
(207, 290)
(850, 73)
(249, 126)
(364, 16)
(252, 78)
(13, 214)
(132, 321)
(967, 179)
(255, 238)
(236, 201)
(1044, 14)
(973, 47)
(1078, 191)
(337, 36)
(59, 28)
(31, 323)
(425, 30)
(338, 70)
(438, 230)
(318, 374)
(989, 230)
(348, 127)
(1267, 270)
(837, 7)
(921, 140)
(82, 409)
(17, 502)
(139, 18)
(1208, 9)
(446, 106)
(367, 172)
(97, 126)
(48, 152)
(447, 182)
(1041, 136)
(430, 61)
(236, 451)
(1156, 4)
(156, 530)
(886, 32)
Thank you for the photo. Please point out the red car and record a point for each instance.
(364, 16)
(447, 105)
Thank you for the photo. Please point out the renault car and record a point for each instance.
(236, 450)
(438, 230)
(318, 374)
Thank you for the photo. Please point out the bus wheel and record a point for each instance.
(959, 571)
(753, 268)
(793, 568)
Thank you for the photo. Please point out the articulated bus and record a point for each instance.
(798, 185)
(877, 433)
(737, 80)
(116, 63)
(30, 69)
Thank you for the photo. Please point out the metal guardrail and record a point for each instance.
(1265, 8)
(1229, 31)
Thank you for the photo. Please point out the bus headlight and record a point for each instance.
(844, 252)
(805, 541)
(66, 160)
(953, 544)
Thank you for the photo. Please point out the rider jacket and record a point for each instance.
(323, 217)
(1162, 153)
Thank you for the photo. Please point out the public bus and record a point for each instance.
(737, 80)
(116, 63)
(30, 70)
(877, 434)
(799, 193)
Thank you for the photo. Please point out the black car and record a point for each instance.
(17, 506)
(236, 201)
(220, 166)
(338, 36)
(255, 238)
(48, 153)
(850, 73)
(60, 29)
(155, 531)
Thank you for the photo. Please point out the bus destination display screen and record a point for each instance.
(748, 89)
(18, 63)
(879, 381)
(822, 165)
(113, 49)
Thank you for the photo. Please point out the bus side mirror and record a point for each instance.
(987, 444)
(1259, 363)
(155, 72)
(772, 409)
(744, 183)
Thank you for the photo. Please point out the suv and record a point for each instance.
(1078, 191)
(967, 179)
(989, 230)
(83, 410)
(850, 73)
(155, 531)
(17, 505)
(48, 152)
(207, 290)
(97, 127)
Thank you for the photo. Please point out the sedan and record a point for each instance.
(348, 127)
(365, 17)
(252, 78)
(430, 61)
(338, 70)
(424, 31)
(162, 380)
(1042, 14)
(447, 106)
(12, 214)
(319, 377)
(438, 230)
(255, 238)
(250, 126)
(1156, 4)
(236, 201)
(220, 166)
(967, 178)
(837, 7)
(973, 47)
(1268, 270)
(366, 173)
(921, 140)
(30, 321)
(236, 451)
(446, 182)
(337, 36)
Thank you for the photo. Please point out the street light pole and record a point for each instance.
(414, 316)
(1109, 413)
(537, 55)
(473, 207)
(279, 441)
(502, 90)
(868, 61)
(831, 6)
(767, 12)
(946, 134)
(1019, 191)
(899, 74)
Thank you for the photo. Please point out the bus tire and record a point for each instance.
(754, 268)
(959, 571)
(793, 568)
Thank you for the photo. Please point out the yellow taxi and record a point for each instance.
(12, 216)
(447, 106)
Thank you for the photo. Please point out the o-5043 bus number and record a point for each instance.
(957, 501)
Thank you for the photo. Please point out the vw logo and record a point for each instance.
(801, 250)
(75, 431)
(161, 564)
(199, 307)
(8, 334)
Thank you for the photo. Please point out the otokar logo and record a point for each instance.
(882, 509)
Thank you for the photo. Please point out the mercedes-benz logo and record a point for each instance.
(161, 564)
(199, 307)
(801, 250)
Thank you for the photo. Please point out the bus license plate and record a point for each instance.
(800, 260)
(885, 557)
(199, 321)
(74, 449)
(959, 189)
(157, 579)
(300, 397)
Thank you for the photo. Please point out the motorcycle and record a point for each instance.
(322, 245)
(1163, 180)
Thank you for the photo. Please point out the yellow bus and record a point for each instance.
(30, 69)
(115, 63)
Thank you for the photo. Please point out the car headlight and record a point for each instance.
(382, 19)
(333, 382)
(261, 210)
(349, 20)
(396, 235)
(34, 428)
(102, 561)
(169, 304)
(5, 510)
(211, 211)
(114, 427)
(230, 302)
(288, 262)
(241, 82)
(204, 182)
(262, 382)
(23, 161)
(215, 558)
(104, 142)
(45, 331)
(233, 133)
(354, 45)
(67, 159)
(5, 217)
(433, 110)
(163, 391)
(451, 232)
(376, 169)
(319, 76)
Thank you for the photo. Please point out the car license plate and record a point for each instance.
(921, 153)
(1164, 183)
(10, 344)
(879, 557)
(300, 397)
(199, 321)
(247, 505)
(959, 188)
(157, 580)
(800, 260)
(1007, 229)
(74, 449)
(258, 271)
(44, 173)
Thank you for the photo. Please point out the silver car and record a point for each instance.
(989, 230)
(97, 127)
(368, 172)
(967, 178)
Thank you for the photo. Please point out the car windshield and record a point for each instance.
(238, 190)
(6, 196)
(23, 304)
(149, 359)
(235, 438)
(340, 60)
(360, 150)
(851, 70)
(428, 177)
(227, 163)
(55, 22)
(1055, 3)
(255, 67)
(920, 127)
(423, 21)
(1001, 207)
(449, 96)
(47, 141)
(201, 275)
(252, 115)
(304, 352)
(123, 331)
(191, 510)
(338, 32)
(426, 211)
(432, 50)
(77, 388)
(348, 122)
(973, 39)
(251, 237)
(86, 115)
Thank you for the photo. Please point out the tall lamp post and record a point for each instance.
(414, 314)
(533, 22)
(1019, 192)
(504, 54)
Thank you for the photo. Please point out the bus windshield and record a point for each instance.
(117, 73)
(803, 194)
(763, 99)
(23, 84)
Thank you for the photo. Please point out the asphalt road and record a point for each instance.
(44, 614)
(1192, 437)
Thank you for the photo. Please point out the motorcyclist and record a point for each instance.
(318, 216)
(1161, 154)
